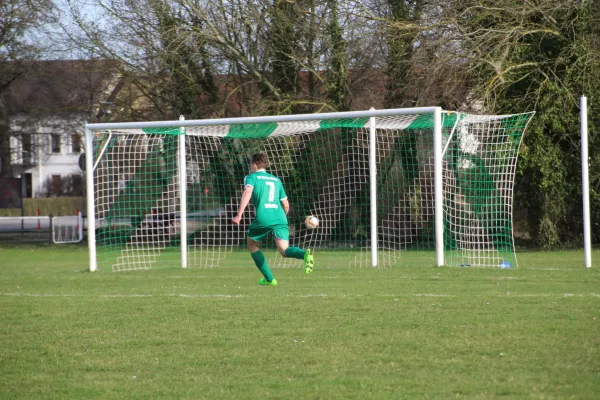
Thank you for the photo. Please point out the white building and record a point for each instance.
(45, 155)
(48, 109)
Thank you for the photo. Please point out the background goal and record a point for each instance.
(381, 182)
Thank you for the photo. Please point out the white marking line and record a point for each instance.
(199, 296)
(201, 277)
(179, 277)
(551, 269)
(109, 296)
(340, 295)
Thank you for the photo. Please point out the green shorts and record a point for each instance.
(258, 233)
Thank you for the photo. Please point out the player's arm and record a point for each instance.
(286, 205)
(243, 204)
(284, 199)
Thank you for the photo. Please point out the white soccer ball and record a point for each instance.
(311, 222)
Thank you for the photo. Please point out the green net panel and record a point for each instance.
(324, 166)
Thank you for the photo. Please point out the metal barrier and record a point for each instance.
(64, 229)
(27, 228)
(67, 229)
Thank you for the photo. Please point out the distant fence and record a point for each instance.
(56, 206)
(61, 229)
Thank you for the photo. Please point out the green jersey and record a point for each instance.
(266, 198)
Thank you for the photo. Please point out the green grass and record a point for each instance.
(412, 331)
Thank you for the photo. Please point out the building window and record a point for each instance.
(27, 148)
(56, 185)
(76, 143)
(28, 185)
(55, 143)
(26, 139)
(76, 185)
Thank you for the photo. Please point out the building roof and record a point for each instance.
(62, 86)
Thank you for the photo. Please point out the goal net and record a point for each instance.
(386, 185)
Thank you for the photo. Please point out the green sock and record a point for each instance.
(261, 264)
(295, 252)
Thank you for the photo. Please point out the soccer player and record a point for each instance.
(271, 204)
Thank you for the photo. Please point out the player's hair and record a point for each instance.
(260, 159)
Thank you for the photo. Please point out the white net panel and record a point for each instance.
(136, 199)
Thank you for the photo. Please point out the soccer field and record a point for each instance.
(411, 331)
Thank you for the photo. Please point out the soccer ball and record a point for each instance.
(311, 222)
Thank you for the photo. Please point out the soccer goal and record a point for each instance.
(385, 185)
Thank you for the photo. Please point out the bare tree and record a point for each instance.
(229, 57)
(506, 56)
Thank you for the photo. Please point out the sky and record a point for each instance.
(53, 36)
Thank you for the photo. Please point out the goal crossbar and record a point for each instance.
(262, 120)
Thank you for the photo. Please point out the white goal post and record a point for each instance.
(382, 182)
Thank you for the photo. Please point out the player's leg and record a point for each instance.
(282, 241)
(283, 245)
(309, 261)
(253, 242)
